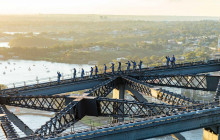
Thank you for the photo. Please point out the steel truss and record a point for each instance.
(71, 109)
(197, 82)
(7, 126)
(61, 121)
(217, 93)
(164, 95)
(125, 108)
(46, 103)
(53, 103)
(103, 89)
(183, 65)
(15, 90)
(68, 116)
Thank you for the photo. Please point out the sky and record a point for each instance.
(113, 7)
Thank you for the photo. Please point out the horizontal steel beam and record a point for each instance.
(16, 121)
(195, 82)
(45, 103)
(124, 108)
(56, 89)
(163, 95)
(6, 125)
(184, 68)
(153, 128)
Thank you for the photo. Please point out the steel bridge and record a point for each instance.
(105, 97)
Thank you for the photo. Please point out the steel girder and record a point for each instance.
(46, 103)
(197, 82)
(106, 107)
(138, 85)
(61, 121)
(180, 66)
(174, 99)
(15, 90)
(125, 108)
(7, 126)
(163, 95)
(217, 93)
(103, 89)
(53, 103)
(101, 76)
(17, 121)
(70, 114)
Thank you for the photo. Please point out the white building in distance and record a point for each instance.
(219, 42)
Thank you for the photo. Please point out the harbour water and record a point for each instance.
(4, 45)
(13, 71)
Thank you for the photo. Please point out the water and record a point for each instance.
(13, 71)
(4, 45)
(13, 33)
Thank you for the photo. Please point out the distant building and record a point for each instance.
(93, 62)
(180, 43)
(95, 48)
(148, 42)
(15, 57)
(218, 42)
(212, 48)
(171, 41)
(122, 58)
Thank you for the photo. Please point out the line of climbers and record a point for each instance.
(105, 69)
(172, 61)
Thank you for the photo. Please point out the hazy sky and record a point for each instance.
(116, 7)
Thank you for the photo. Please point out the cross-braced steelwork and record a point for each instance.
(46, 103)
(7, 126)
(181, 81)
(37, 86)
(68, 116)
(173, 98)
(103, 89)
(217, 94)
(61, 121)
(71, 109)
(164, 95)
(125, 108)
(138, 85)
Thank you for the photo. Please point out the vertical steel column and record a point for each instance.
(119, 93)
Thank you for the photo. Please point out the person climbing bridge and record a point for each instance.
(134, 65)
(140, 65)
(96, 71)
(173, 60)
(91, 72)
(74, 73)
(128, 66)
(119, 67)
(82, 73)
(105, 68)
(58, 77)
(168, 61)
(113, 68)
